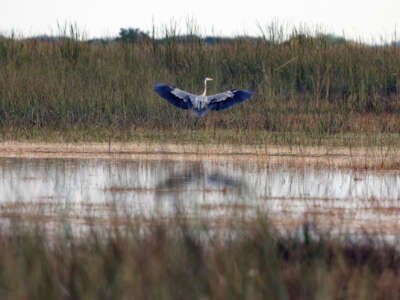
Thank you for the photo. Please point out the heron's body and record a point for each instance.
(200, 104)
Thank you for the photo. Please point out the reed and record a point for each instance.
(311, 83)
(185, 260)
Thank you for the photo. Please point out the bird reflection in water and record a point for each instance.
(197, 185)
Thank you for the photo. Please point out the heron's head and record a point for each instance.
(208, 79)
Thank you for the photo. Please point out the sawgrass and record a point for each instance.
(184, 260)
(311, 84)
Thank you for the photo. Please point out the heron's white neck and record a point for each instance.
(205, 87)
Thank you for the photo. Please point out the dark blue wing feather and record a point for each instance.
(228, 98)
(173, 95)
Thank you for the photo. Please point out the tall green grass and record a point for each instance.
(310, 82)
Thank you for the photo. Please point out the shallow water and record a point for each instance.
(342, 200)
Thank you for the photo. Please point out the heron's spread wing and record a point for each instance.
(228, 98)
(173, 95)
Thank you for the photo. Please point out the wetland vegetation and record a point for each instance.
(311, 89)
(181, 260)
(307, 83)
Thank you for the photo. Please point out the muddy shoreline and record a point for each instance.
(357, 158)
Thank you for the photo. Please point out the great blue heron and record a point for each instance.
(200, 104)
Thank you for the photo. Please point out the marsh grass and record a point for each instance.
(185, 260)
(310, 83)
(387, 141)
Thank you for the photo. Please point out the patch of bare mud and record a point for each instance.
(357, 158)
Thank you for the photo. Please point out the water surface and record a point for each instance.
(78, 188)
